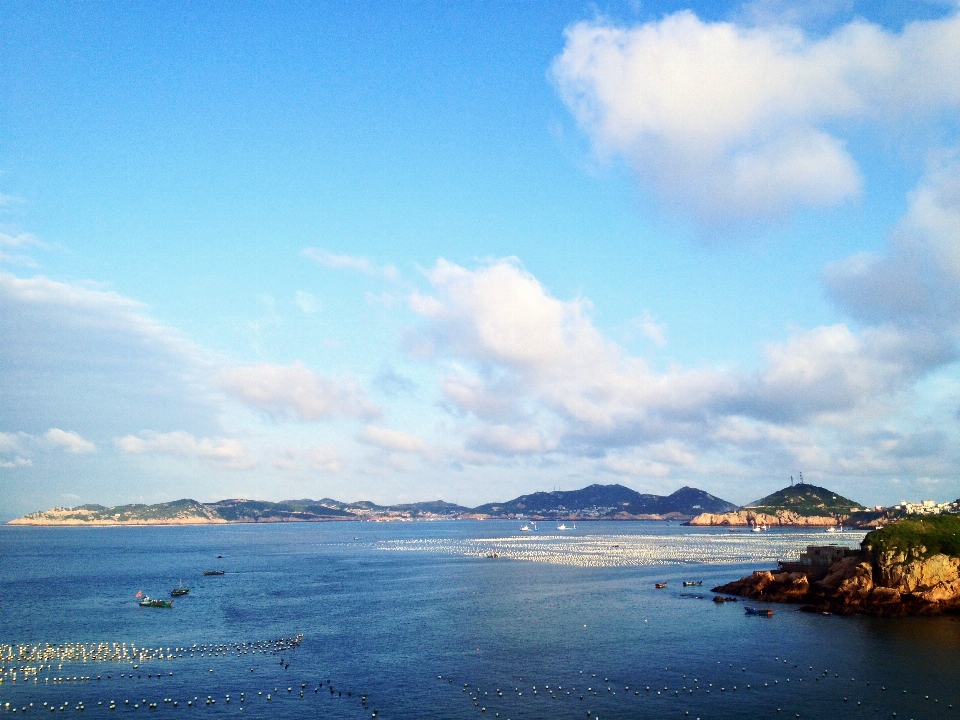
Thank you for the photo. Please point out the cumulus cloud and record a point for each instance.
(296, 391)
(88, 358)
(11, 447)
(394, 440)
(228, 452)
(735, 121)
(70, 441)
(915, 284)
(349, 262)
(530, 374)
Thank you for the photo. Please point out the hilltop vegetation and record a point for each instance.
(922, 537)
(805, 500)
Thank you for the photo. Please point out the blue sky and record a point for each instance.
(465, 251)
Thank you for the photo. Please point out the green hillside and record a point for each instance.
(926, 536)
(806, 500)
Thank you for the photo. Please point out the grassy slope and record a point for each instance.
(936, 533)
(806, 500)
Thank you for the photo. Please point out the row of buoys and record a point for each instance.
(30, 659)
(696, 546)
(481, 699)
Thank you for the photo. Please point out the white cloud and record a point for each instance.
(915, 284)
(70, 441)
(325, 458)
(296, 391)
(86, 358)
(306, 302)
(734, 121)
(11, 447)
(651, 329)
(395, 440)
(228, 452)
(349, 262)
(530, 374)
(508, 440)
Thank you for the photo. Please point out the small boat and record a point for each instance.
(214, 572)
(660, 586)
(692, 583)
(178, 591)
(147, 601)
(766, 612)
(831, 529)
(561, 526)
(525, 528)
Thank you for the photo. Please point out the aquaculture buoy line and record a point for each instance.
(620, 550)
(28, 659)
(41, 686)
(775, 691)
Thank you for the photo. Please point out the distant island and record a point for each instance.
(799, 505)
(596, 502)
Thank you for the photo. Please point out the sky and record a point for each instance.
(466, 251)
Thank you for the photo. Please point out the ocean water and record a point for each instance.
(416, 618)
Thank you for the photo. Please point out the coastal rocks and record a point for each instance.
(910, 572)
(784, 518)
(892, 585)
(766, 585)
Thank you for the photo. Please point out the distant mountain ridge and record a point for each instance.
(607, 501)
(593, 502)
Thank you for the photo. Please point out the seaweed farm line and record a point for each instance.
(137, 686)
(30, 660)
(631, 550)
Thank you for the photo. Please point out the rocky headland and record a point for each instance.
(911, 567)
(784, 518)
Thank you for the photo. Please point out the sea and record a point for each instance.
(447, 619)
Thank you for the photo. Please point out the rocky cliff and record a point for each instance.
(895, 574)
(779, 518)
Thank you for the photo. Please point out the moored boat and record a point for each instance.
(767, 612)
(147, 601)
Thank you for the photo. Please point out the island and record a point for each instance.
(909, 567)
(799, 505)
(596, 502)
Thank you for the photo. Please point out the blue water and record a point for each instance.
(385, 623)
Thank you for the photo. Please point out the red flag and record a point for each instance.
(139, 593)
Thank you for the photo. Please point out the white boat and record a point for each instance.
(561, 526)
(525, 528)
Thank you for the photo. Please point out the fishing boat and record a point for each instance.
(178, 591)
(692, 583)
(660, 586)
(147, 601)
(767, 612)
(214, 572)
